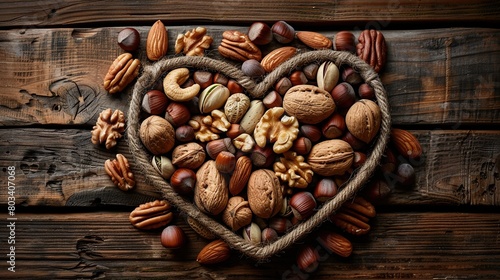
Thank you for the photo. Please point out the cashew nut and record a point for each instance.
(172, 85)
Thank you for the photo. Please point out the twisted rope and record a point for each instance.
(154, 72)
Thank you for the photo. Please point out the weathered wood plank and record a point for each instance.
(62, 167)
(401, 245)
(369, 13)
(442, 76)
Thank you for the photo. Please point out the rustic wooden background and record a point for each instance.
(443, 82)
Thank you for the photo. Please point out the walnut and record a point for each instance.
(292, 169)
(120, 173)
(152, 215)
(244, 142)
(281, 131)
(237, 46)
(265, 193)
(121, 72)
(353, 216)
(211, 192)
(194, 42)
(219, 122)
(331, 157)
(201, 126)
(237, 213)
(109, 128)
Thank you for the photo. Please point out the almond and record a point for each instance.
(241, 174)
(314, 40)
(214, 252)
(406, 144)
(157, 42)
(277, 57)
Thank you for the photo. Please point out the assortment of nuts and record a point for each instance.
(260, 166)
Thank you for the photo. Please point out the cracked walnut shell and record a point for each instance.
(121, 72)
(194, 42)
(152, 215)
(109, 128)
(120, 173)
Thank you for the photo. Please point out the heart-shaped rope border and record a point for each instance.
(152, 73)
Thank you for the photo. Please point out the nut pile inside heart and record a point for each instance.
(258, 156)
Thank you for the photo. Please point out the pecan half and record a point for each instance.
(353, 217)
(151, 215)
(121, 72)
(109, 128)
(372, 48)
(237, 46)
(119, 171)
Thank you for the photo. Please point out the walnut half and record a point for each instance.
(109, 128)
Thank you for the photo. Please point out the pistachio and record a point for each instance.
(213, 97)
(328, 76)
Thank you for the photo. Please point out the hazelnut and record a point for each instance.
(350, 76)
(184, 133)
(354, 142)
(365, 91)
(406, 174)
(216, 146)
(234, 131)
(298, 78)
(262, 157)
(283, 85)
(252, 68)
(359, 159)
(203, 78)
(183, 181)
(234, 87)
(344, 96)
(377, 190)
(272, 99)
(129, 39)
(303, 205)
(225, 162)
(260, 33)
(154, 102)
(308, 259)
(325, 189)
(312, 132)
(302, 146)
(283, 32)
(344, 41)
(220, 79)
(177, 114)
(280, 224)
(172, 237)
(311, 71)
(334, 126)
(269, 235)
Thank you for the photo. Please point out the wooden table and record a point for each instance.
(443, 82)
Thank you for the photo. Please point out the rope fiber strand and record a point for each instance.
(153, 73)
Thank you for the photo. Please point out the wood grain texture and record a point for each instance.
(458, 168)
(441, 77)
(363, 13)
(401, 245)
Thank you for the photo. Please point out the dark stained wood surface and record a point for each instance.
(443, 85)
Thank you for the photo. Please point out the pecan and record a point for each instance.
(194, 42)
(292, 169)
(151, 215)
(353, 217)
(119, 171)
(372, 48)
(109, 128)
(336, 243)
(121, 72)
(236, 45)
